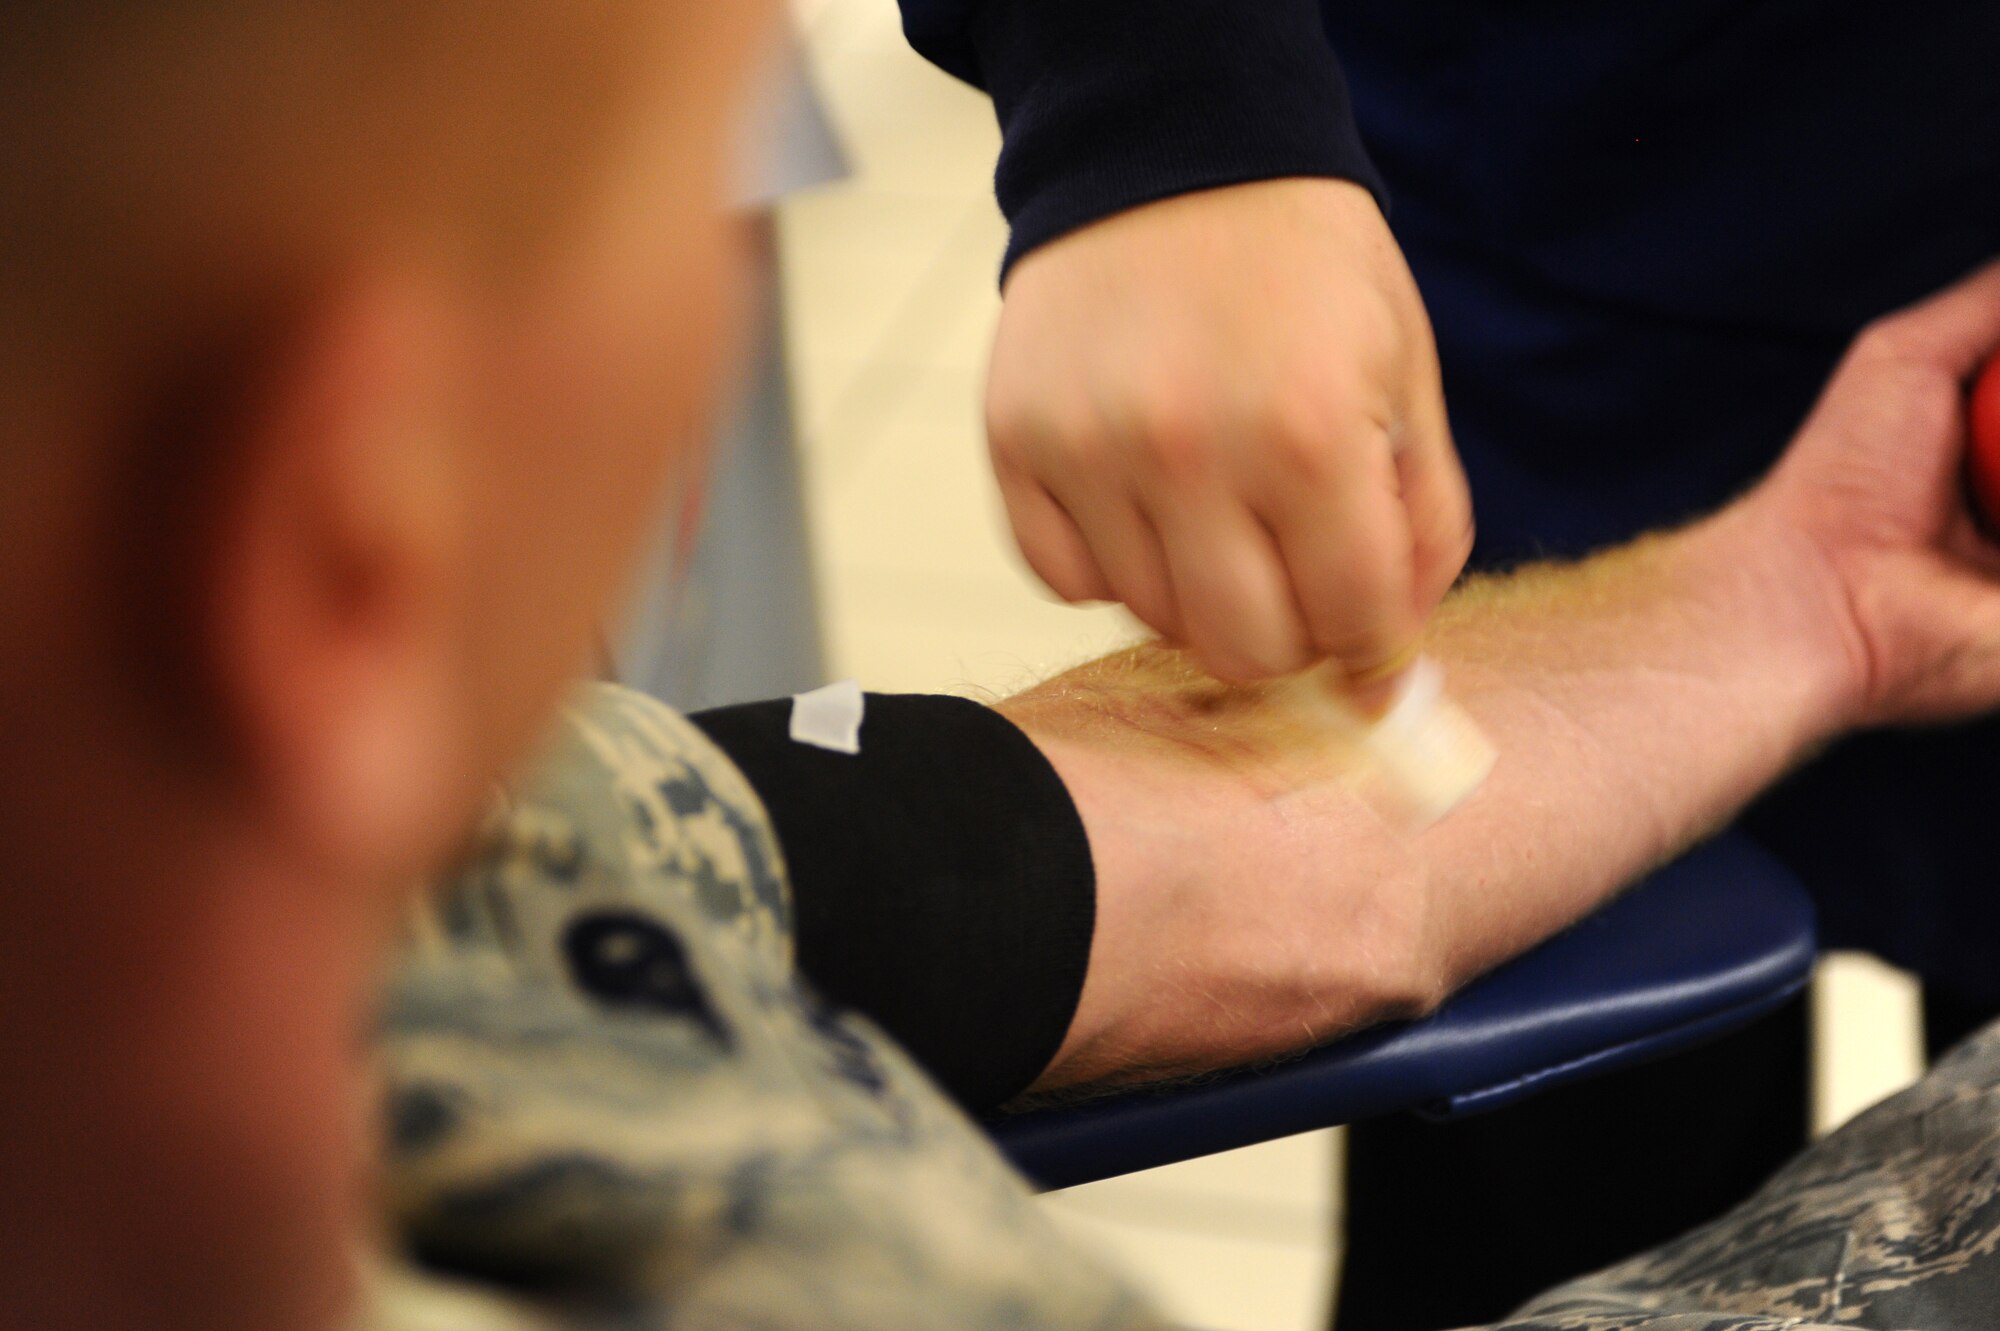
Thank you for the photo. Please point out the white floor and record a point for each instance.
(889, 282)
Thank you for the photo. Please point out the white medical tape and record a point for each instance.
(829, 718)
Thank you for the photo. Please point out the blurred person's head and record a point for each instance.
(344, 352)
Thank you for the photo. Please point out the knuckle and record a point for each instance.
(1884, 340)
(1016, 434)
(1029, 433)
(1172, 436)
(1009, 413)
(1178, 456)
(1305, 441)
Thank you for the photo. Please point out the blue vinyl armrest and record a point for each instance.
(1703, 946)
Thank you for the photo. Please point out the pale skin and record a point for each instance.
(1250, 905)
(1224, 410)
(318, 474)
(258, 669)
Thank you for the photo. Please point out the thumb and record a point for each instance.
(1956, 329)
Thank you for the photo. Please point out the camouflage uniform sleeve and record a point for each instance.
(1892, 1222)
(612, 1101)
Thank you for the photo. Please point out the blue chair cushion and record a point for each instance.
(1705, 945)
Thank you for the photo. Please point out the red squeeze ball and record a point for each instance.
(1985, 460)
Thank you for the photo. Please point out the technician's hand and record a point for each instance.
(1224, 411)
(1874, 483)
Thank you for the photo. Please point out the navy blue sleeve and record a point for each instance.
(1108, 104)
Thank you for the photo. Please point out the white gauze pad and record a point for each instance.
(1418, 760)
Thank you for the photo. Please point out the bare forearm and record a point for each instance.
(1248, 904)
(1637, 700)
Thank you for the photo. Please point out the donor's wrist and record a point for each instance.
(1791, 618)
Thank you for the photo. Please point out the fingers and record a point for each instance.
(1237, 612)
(1124, 544)
(1338, 554)
(1348, 552)
(1956, 330)
(1050, 541)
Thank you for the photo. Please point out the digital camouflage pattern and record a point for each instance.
(1892, 1222)
(613, 1105)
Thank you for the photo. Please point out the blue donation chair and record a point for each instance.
(1703, 946)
